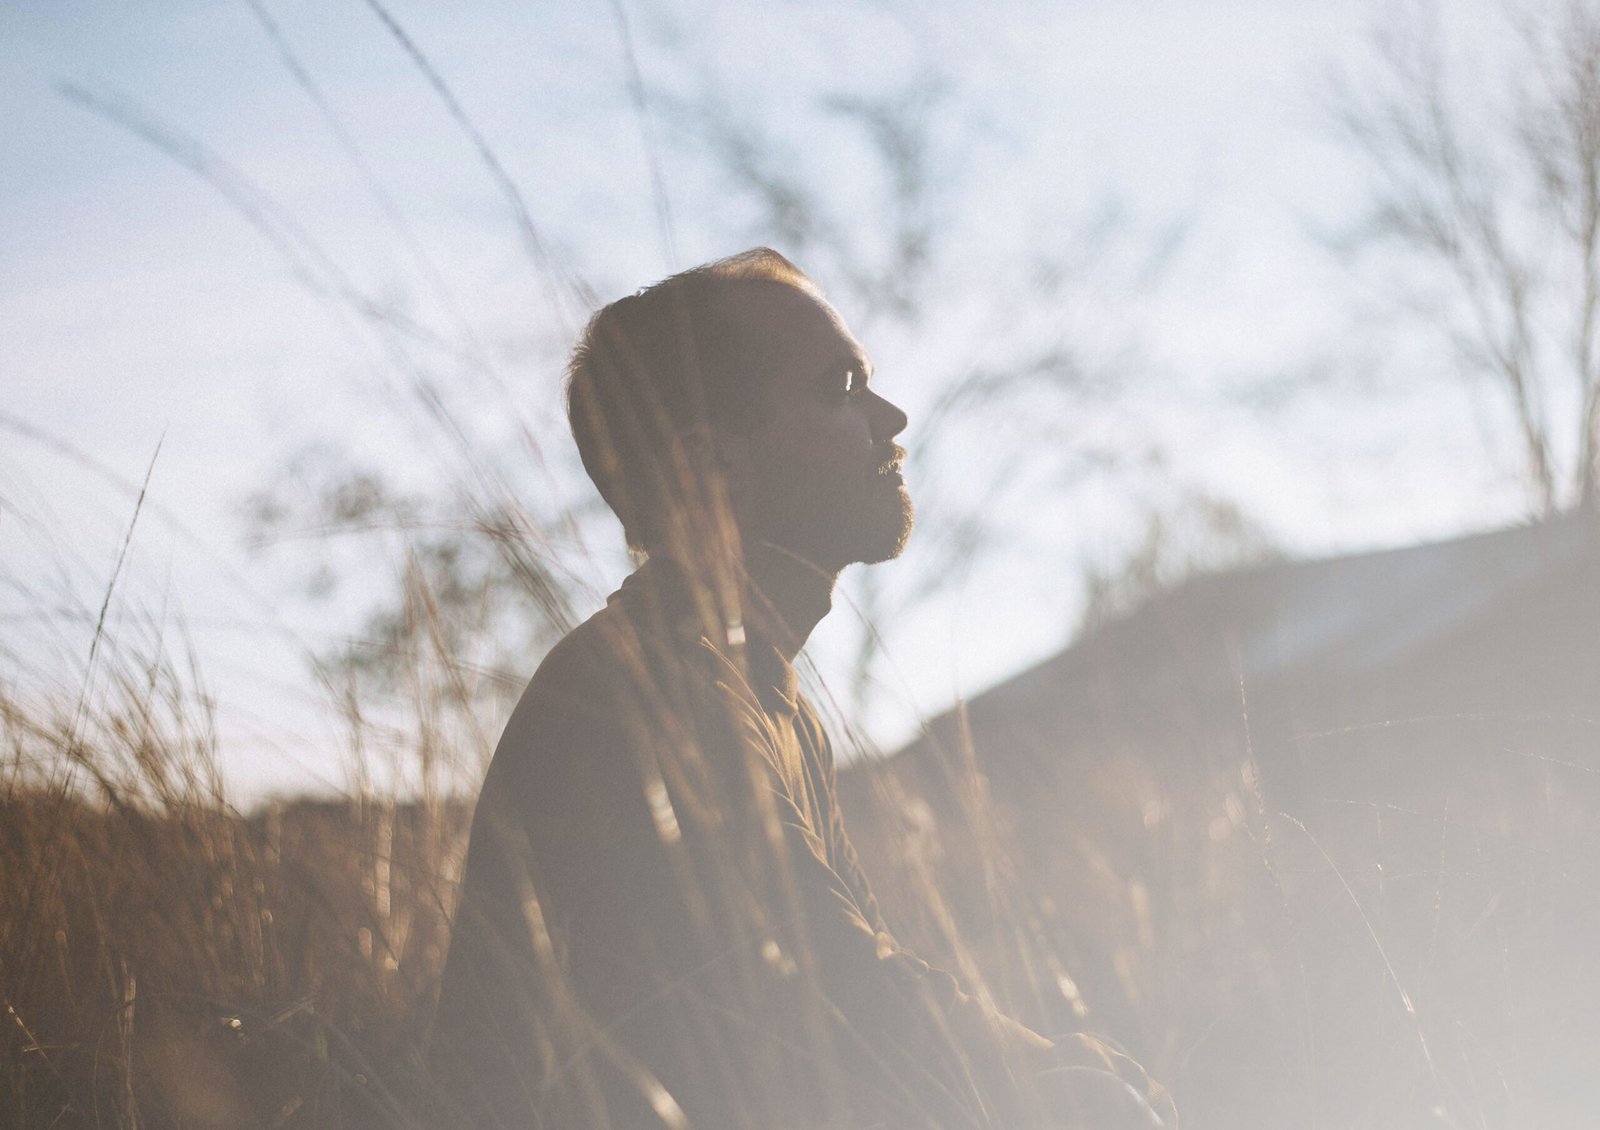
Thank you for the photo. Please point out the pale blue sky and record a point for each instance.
(137, 304)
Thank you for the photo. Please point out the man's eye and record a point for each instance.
(845, 382)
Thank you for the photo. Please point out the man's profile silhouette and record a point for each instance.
(662, 921)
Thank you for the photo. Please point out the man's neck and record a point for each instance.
(788, 596)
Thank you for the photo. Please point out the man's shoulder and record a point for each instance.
(590, 650)
(563, 730)
(582, 678)
(613, 655)
(613, 680)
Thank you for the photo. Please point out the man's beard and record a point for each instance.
(866, 526)
(884, 534)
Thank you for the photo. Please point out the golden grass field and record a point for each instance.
(1384, 949)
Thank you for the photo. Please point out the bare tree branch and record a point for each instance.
(1490, 192)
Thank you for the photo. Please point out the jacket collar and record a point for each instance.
(664, 601)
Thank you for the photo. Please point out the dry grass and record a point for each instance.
(167, 961)
(1406, 950)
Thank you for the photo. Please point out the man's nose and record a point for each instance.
(887, 419)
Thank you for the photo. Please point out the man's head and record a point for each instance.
(735, 392)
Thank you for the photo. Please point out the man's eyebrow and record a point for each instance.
(853, 359)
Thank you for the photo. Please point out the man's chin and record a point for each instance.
(861, 534)
(892, 534)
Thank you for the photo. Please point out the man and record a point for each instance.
(662, 921)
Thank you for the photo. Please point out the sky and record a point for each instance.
(149, 326)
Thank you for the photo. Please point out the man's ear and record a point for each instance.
(736, 456)
(712, 451)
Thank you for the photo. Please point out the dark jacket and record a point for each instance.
(661, 914)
